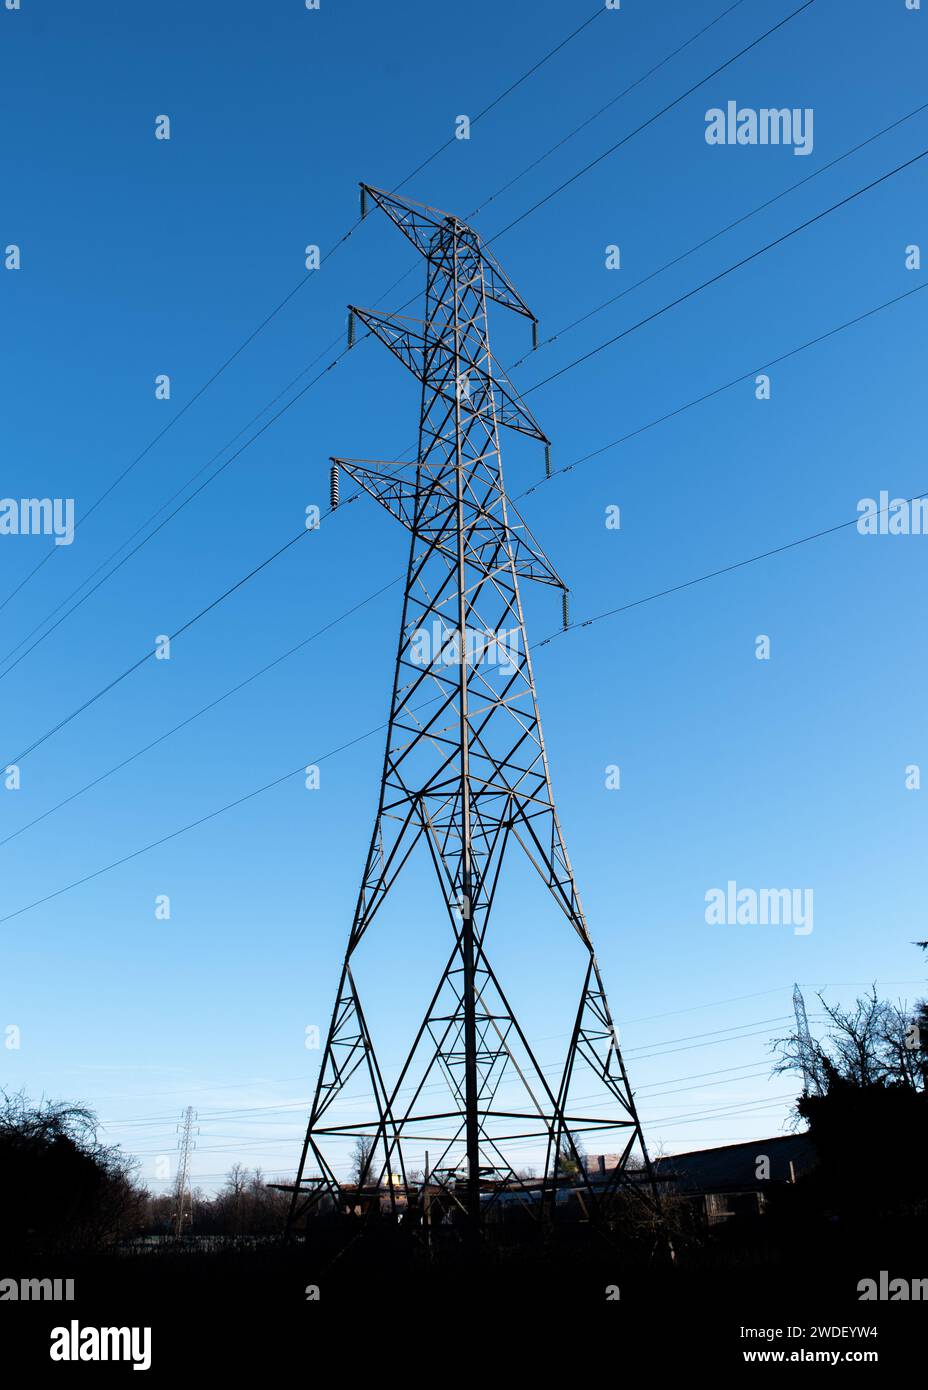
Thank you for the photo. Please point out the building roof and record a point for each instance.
(738, 1166)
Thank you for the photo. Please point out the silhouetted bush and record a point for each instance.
(60, 1188)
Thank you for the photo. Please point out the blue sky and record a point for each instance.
(142, 257)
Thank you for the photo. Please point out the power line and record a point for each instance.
(676, 260)
(728, 1080)
(217, 455)
(603, 109)
(731, 1110)
(726, 569)
(727, 386)
(175, 418)
(564, 469)
(707, 241)
(161, 525)
(222, 1117)
(699, 246)
(716, 1110)
(650, 318)
(284, 777)
(703, 1079)
(248, 1115)
(650, 121)
(327, 256)
(642, 1055)
(710, 1033)
(722, 274)
(204, 710)
(274, 418)
(225, 1114)
(644, 1018)
(249, 796)
(117, 680)
(283, 410)
(496, 100)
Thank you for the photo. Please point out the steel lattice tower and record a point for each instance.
(810, 1082)
(465, 778)
(186, 1144)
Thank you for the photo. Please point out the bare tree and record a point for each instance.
(570, 1155)
(905, 1042)
(868, 1043)
(856, 1034)
(361, 1159)
(60, 1187)
(234, 1194)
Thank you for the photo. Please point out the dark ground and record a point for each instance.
(245, 1311)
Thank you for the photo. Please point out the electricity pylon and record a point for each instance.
(465, 777)
(810, 1077)
(186, 1144)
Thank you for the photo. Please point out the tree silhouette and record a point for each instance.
(60, 1188)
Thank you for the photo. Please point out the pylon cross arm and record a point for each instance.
(431, 359)
(427, 227)
(394, 486)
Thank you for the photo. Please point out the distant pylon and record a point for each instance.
(810, 1081)
(186, 1144)
(465, 779)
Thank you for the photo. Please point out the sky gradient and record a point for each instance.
(141, 257)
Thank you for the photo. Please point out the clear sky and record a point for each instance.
(142, 257)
